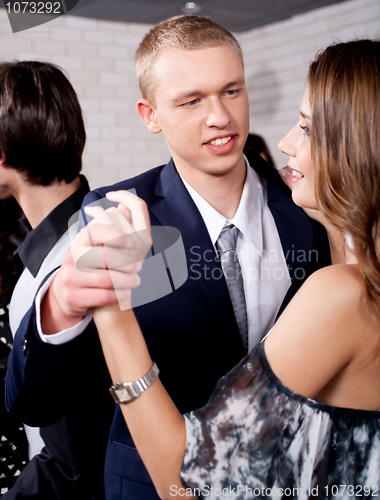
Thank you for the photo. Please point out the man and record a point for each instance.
(42, 137)
(191, 77)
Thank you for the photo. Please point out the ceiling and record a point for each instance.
(235, 15)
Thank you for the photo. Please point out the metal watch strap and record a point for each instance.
(125, 392)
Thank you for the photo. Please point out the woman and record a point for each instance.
(299, 415)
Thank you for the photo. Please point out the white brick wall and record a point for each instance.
(98, 58)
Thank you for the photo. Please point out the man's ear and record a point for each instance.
(148, 115)
(2, 158)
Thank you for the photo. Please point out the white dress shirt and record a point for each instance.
(265, 274)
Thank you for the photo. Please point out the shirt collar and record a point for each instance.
(38, 242)
(248, 217)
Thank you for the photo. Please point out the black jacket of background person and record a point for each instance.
(70, 466)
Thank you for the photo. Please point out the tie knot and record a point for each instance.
(227, 238)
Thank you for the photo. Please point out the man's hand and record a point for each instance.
(102, 264)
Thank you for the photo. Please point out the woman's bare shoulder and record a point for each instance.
(331, 299)
(341, 285)
(318, 331)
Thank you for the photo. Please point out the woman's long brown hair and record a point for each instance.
(344, 90)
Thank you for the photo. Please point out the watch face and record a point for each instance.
(121, 393)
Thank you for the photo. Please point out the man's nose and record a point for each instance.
(218, 115)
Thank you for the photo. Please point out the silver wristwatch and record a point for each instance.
(125, 392)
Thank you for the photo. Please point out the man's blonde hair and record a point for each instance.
(179, 32)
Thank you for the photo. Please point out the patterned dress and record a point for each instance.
(256, 438)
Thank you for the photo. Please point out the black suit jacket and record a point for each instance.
(70, 466)
(191, 333)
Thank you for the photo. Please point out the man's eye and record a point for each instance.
(232, 92)
(190, 104)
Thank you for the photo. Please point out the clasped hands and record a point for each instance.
(101, 267)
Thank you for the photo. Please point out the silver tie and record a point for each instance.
(226, 246)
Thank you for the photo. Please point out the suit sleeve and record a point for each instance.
(42, 377)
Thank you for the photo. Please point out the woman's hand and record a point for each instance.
(125, 255)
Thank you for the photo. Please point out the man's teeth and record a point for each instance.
(221, 141)
(296, 174)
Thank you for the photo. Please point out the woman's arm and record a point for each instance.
(156, 426)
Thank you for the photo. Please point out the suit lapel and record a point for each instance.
(176, 208)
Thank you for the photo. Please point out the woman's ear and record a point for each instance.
(148, 115)
(2, 158)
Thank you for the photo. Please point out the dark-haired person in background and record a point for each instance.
(42, 137)
(257, 144)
